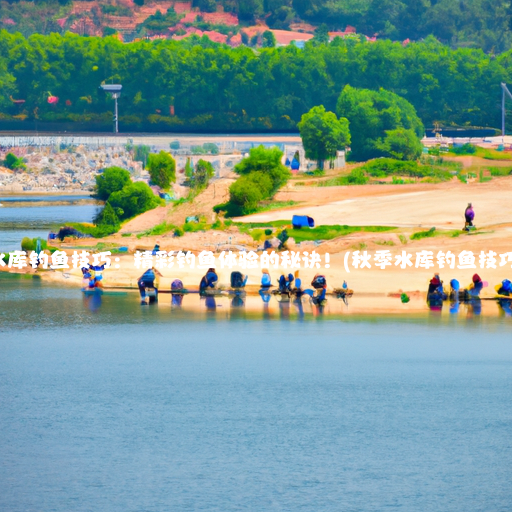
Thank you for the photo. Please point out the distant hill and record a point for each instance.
(459, 23)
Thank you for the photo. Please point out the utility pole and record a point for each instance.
(115, 92)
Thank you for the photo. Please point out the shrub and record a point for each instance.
(465, 149)
(424, 234)
(162, 169)
(202, 175)
(111, 180)
(133, 199)
(107, 217)
(357, 177)
(245, 194)
(13, 162)
(387, 166)
(29, 244)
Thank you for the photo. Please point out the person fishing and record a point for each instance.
(476, 286)
(87, 278)
(285, 283)
(97, 274)
(319, 283)
(238, 280)
(209, 280)
(469, 216)
(298, 285)
(266, 281)
(156, 248)
(435, 289)
(504, 288)
(148, 280)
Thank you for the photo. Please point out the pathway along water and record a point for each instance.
(139, 408)
(36, 221)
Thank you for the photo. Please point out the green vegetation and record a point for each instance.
(159, 229)
(262, 174)
(217, 88)
(381, 123)
(141, 154)
(323, 134)
(200, 178)
(500, 171)
(112, 179)
(423, 234)
(465, 149)
(13, 162)
(487, 153)
(133, 199)
(428, 169)
(124, 199)
(475, 24)
(162, 169)
(159, 22)
(323, 232)
(99, 231)
(30, 244)
(205, 149)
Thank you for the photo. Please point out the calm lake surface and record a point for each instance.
(119, 407)
(36, 221)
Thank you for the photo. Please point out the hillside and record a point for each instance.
(475, 23)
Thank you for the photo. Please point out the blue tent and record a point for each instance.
(302, 221)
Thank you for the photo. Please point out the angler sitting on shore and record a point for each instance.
(238, 280)
(476, 286)
(319, 283)
(266, 281)
(209, 281)
(285, 283)
(504, 288)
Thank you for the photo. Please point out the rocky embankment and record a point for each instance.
(69, 169)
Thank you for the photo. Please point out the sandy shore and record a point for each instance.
(410, 208)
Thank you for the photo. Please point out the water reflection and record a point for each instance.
(28, 303)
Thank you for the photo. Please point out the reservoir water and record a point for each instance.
(34, 221)
(120, 407)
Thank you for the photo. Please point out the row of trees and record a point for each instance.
(374, 123)
(212, 87)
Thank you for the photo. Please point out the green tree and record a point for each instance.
(107, 217)
(267, 161)
(189, 170)
(322, 34)
(162, 169)
(112, 179)
(323, 134)
(133, 199)
(211, 147)
(175, 144)
(371, 115)
(269, 39)
(401, 144)
(245, 195)
(141, 154)
(250, 9)
(203, 173)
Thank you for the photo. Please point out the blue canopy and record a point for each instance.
(301, 221)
